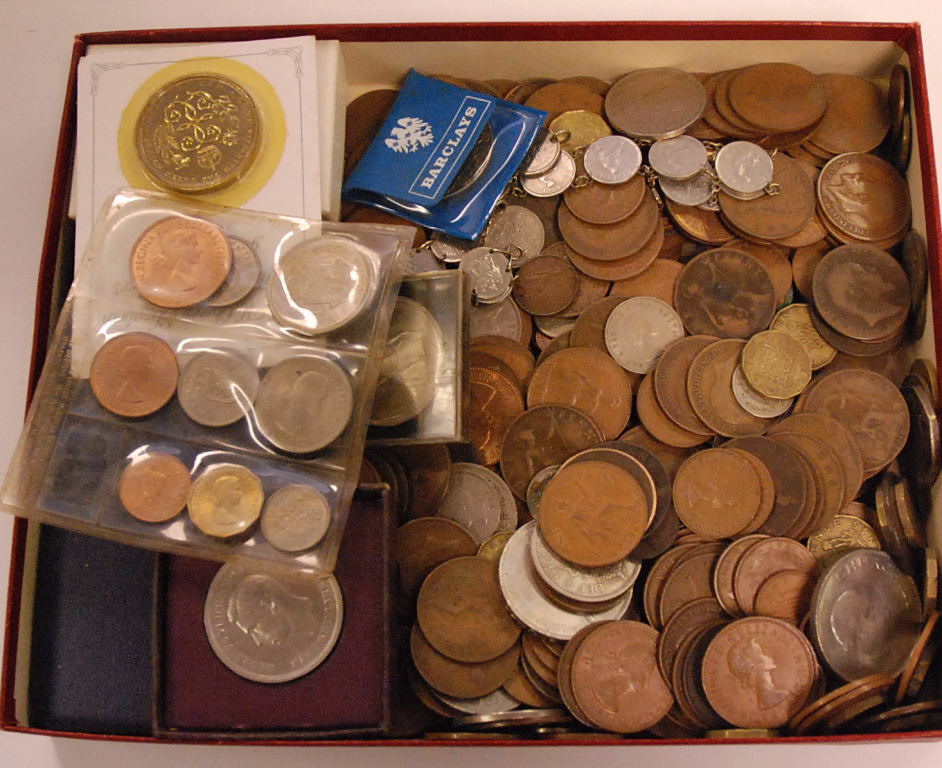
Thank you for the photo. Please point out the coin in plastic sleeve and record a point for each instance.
(295, 517)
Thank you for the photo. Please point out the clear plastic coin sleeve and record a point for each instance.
(206, 360)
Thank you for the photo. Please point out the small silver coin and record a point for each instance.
(744, 169)
(449, 250)
(242, 278)
(544, 158)
(516, 230)
(217, 388)
(612, 159)
(322, 284)
(693, 191)
(680, 158)
(493, 703)
(922, 454)
(516, 719)
(553, 182)
(295, 517)
(272, 625)
(755, 402)
(479, 501)
(537, 486)
(639, 329)
(488, 273)
(502, 318)
(303, 403)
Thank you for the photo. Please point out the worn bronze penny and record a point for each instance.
(460, 679)
(494, 402)
(154, 486)
(696, 615)
(777, 97)
(785, 595)
(698, 224)
(555, 98)
(725, 569)
(589, 330)
(426, 542)
(658, 423)
(654, 582)
(805, 261)
(606, 203)
(856, 118)
(545, 285)
(134, 374)
(658, 280)
(691, 578)
(764, 559)
(613, 241)
(621, 269)
(670, 382)
(514, 355)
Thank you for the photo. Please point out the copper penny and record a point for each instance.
(804, 263)
(670, 456)
(777, 97)
(920, 659)
(774, 258)
(179, 261)
(817, 709)
(861, 292)
(767, 494)
(588, 380)
(717, 493)
(606, 203)
(613, 241)
(427, 469)
(520, 687)
(785, 595)
(691, 578)
(864, 197)
(593, 513)
(696, 615)
(725, 569)
(658, 423)
(545, 285)
(559, 97)
(621, 269)
(739, 127)
(698, 224)
(134, 374)
(670, 382)
(765, 558)
(456, 678)
(654, 582)
(543, 437)
(871, 408)
(726, 293)
(424, 543)
(855, 347)
(709, 386)
(625, 458)
(515, 355)
(154, 486)
(564, 674)
(687, 681)
(462, 613)
(479, 359)
(589, 330)
(658, 280)
(711, 113)
(856, 118)
(772, 667)
(615, 679)
(588, 289)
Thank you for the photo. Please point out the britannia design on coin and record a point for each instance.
(198, 133)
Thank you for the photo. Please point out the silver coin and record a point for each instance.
(588, 585)
(217, 388)
(755, 402)
(447, 249)
(865, 615)
(545, 157)
(922, 453)
(493, 703)
(322, 284)
(502, 318)
(612, 159)
(411, 358)
(272, 624)
(744, 169)
(655, 103)
(303, 403)
(554, 325)
(680, 158)
(295, 517)
(530, 605)
(489, 276)
(694, 191)
(516, 230)
(517, 718)
(479, 501)
(555, 181)
(639, 329)
(537, 486)
(242, 278)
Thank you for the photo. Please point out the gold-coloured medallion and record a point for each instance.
(225, 500)
(198, 133)
(579, 128)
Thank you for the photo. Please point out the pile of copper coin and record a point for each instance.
(695, 497)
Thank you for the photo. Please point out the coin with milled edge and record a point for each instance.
(225, 500)
(638, 330)
(488, 274)
(696, 190)
(754, 401)
(295, 517)
(242, 278)
(198, 133)
(322, 283)
(154, 486)
(217, 387)
(269, 625)
(844, 532)
(612, 159)
(133, 374)
(304, 403)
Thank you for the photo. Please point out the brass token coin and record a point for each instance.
(726, 293)
(134, 374)
(545, 285)
(179, 261)
(587, 380)
(426, 542)
(154, 487)
(777, 97)
(578, 128)
(225, 500)
(856, 118)
(198, 133)
(461, 612)
(495, 401)
(795, 320)
(776, 364)
(654, 103)
(493, 547)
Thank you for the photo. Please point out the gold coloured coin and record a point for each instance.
(795, 320)
(198, 133)
(776, 364)
(225, 500)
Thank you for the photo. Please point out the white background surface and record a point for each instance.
(35, 47)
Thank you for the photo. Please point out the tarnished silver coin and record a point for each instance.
(271, 624)
(447, 249)
(478, 500)
(639, 329)
(680, 158)
(588, 585)
(518, 718)
(303, 403)
(865, 615)
(693, 191)
(501, 319)
(744, 169)
(537, 486)
(553, 182)
(545, 156)
(530, 605)
(516, 230)
(612, 159)
(554, 325)
(922, 454)
(489, 275)
(407, 376)
(295, 517)
(755, 402)
(322, 284)
(497, 702)
(217, 387)
(655, 103)
(242, 278)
